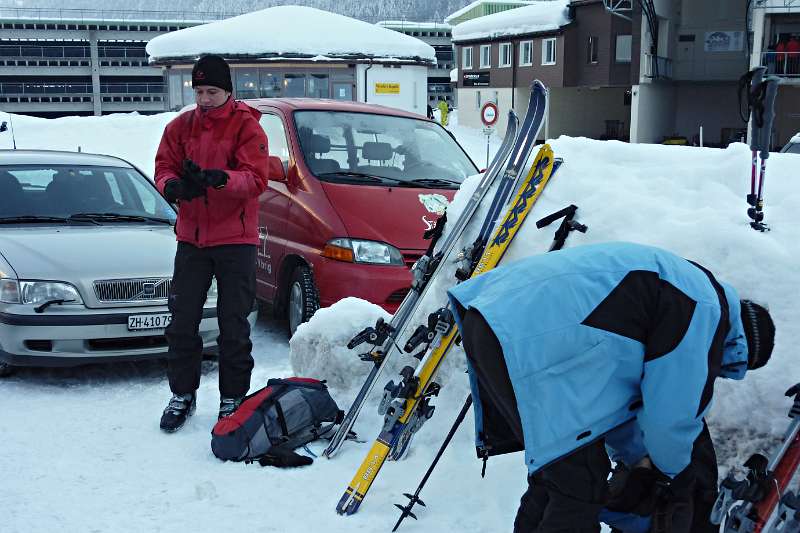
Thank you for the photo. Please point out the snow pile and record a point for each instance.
(542, 16)
(289, 31)
(319, 348)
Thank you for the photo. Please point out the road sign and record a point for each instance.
(489, 114)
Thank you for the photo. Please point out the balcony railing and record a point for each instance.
(658, 67)
(782, 63)
(70, 52)
(81, 88)
(109, 15)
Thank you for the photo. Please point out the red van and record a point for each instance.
(352, 189)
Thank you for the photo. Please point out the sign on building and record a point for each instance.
(476, 79)
(387, 88)
(724, 41)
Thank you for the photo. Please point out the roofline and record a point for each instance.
(276, 58)
(472, 5)
(559, 31)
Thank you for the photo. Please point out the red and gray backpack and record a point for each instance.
(275, 420)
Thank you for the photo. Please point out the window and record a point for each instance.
(246, 83)
(294, 85)
(505, 55)
(623, 49)
(591, 50)
(270, 84)
(477, 100)
(548, 51)
(466, 63)
(276, 136)
(486, 56)
(318, 86)
(526, 53)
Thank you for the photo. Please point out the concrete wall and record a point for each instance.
(582, 112)
(413, 80)
(715, 107)
(653, 109)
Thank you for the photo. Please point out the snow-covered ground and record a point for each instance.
(81, 450)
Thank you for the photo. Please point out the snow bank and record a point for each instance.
(289, 31)
(540, 16)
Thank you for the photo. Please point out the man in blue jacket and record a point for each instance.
(612, 346)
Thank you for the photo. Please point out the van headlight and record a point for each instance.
(358, 251)
(38, 292)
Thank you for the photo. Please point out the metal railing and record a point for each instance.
(782, 63)
(109, 15)
(40, 88)
(70, 52)
(658, 67)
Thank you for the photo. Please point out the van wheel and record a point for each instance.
(303, 298)
(5, 369)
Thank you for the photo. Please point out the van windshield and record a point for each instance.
(372, 149)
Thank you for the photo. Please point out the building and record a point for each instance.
(579, 50)
(56, 62)
(774, 22)
(481, 8)
(440, 38)
(294, 51)
(667, 71)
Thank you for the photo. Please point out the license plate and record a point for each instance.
(136, 322)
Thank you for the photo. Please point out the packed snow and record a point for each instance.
(82, 449)
(289, 31)
(542, 16)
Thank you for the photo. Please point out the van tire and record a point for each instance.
(302, 298)
(6, 369)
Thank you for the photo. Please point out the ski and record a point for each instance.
(762, 503)
(383, 335)
(412, 408)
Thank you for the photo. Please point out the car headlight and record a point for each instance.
(358, 251)
(38, 292)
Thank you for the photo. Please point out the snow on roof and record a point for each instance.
(542, 16)
(289, 31)
(467, 9)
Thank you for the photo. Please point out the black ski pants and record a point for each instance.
(567, 495)
(234, 266)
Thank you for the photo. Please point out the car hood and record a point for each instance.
(395, 215)
(68, 253)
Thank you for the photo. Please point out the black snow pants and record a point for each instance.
(234, 267)
(568, 495)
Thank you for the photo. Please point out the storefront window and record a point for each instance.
(318, 86)
(246, 83)
(294, 85)
(270, 84)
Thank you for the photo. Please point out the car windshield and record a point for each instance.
(91, 194)
(792, 148)
(372, 149)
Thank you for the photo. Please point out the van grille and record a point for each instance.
(410, 257)
(132, 290)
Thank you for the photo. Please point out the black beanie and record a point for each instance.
(212, 70)
(760, 333)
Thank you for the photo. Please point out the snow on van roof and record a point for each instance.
(542, 16)
(290, 32)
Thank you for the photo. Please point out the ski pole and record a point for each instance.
(406, 510)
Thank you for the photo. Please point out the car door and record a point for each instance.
(273, 209)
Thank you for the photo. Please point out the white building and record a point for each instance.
(294, 51)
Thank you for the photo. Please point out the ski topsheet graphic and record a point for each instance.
(506, 166)
(411, 407)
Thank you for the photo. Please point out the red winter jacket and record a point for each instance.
(227, 138)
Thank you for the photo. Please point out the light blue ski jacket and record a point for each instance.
(600, 335)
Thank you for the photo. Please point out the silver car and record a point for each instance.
(86, 255)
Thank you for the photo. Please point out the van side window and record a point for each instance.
(276, 136)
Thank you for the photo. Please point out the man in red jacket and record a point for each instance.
(213, 162)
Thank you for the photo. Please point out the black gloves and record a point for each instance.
(182, 189)
(283, 458)
(633, 491)
(207, 178)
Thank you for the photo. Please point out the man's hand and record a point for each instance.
(206, 178)
(633, 491)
